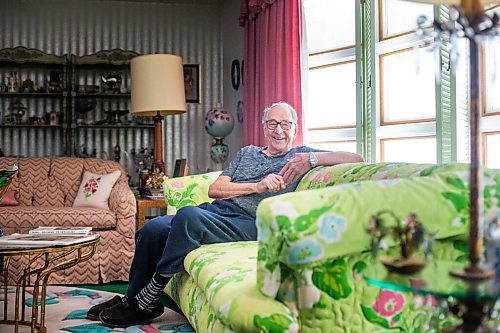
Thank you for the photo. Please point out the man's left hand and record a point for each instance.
(295, 168)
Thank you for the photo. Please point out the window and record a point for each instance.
(406, 89)
(349, 146)
(407, 92)
(412, 150)
(417, 110)
(330, 115)
(490, 121)
(491, 142)
(397, 17)
(490, 81)
(332, 96)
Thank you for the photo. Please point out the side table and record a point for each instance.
(142, 207)
(475, 299)
(54, 258)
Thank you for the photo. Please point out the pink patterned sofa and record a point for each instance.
(47, 188)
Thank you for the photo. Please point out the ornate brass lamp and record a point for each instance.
(468, 19)
(157, 91)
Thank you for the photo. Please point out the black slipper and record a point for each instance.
(94, 312)
(127, 314)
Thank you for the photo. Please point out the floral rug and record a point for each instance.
(66, 310)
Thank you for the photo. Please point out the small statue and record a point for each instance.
(410, 233)
(111, 83)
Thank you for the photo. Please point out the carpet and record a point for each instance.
(66, 309)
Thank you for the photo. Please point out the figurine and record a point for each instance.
(410, 233)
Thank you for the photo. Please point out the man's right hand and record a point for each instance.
(270, 183)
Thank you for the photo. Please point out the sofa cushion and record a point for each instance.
(325, 176)
(188, 191)
(226, 275)
(24, 218)
(306, 228)
(9, 198)
(95, 189)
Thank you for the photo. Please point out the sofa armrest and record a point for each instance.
(122, 203)
(188, 191)
(304, 229)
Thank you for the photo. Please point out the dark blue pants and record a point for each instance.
(163, 242)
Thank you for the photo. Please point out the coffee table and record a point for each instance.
(44, 260)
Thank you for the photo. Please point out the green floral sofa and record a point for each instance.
(305, 271)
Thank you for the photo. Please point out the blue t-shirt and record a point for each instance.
(251, 165)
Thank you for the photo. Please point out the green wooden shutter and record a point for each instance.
(365, 73)
(446, 121)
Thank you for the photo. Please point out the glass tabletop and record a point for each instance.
(435, 280)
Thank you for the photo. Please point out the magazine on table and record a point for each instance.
(34, 240)
(61, 231)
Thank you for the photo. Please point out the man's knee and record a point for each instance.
(156, 227)
(188, 217)
(188, 213)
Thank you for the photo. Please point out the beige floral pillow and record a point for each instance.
(95, 189)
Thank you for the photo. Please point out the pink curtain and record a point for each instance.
(272, 62)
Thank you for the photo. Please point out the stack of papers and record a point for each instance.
(61, 231)
(44, 240)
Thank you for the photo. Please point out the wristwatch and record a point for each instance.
(313, 160)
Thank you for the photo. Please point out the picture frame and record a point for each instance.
(180, 168)
(192, 83)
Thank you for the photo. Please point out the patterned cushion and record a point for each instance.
(95, 189)
(9, 198)
(5, 180)
(24, 218)
(188, 191)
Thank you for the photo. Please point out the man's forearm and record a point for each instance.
(228, 190)
(337, 157)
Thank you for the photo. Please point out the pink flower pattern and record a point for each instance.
(388, 303)
(327, 177)
(316, 179)
(177, 185)
(91, 187)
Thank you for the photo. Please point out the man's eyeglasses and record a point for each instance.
(285, 125)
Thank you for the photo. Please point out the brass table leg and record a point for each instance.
(42, 274)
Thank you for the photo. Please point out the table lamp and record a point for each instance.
(468, 19)
(157, 82)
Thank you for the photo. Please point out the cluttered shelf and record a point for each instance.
(29, 126)
(102, 95)
(117, 126)
(32, 94)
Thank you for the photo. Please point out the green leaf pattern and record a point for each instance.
(303, 275)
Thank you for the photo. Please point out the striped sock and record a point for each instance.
(149, 296)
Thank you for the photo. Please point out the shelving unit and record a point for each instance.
(93, 117)
(101, 128)
(33, 121)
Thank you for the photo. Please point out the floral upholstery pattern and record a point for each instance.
(187, 191)
(218, 272)
(313, 248)
(312, 242)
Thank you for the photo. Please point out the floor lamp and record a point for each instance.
(157, 91)
(468, 19)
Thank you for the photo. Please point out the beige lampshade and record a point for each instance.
(157, 85)
(455, 2)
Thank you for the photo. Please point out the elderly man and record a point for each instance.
(255, 174)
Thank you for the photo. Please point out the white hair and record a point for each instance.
(284, 105)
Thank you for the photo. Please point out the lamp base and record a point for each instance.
(473, 274)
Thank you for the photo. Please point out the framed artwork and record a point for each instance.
(180, 168)
(192, 83)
